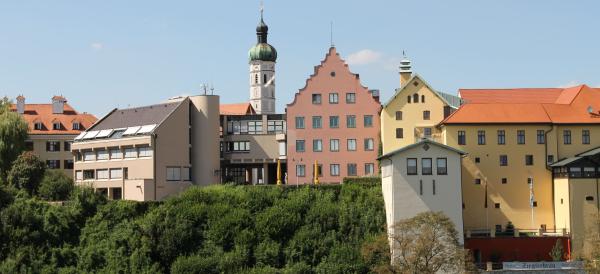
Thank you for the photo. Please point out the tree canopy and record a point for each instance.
(13, 133)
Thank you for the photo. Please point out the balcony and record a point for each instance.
(429, 133)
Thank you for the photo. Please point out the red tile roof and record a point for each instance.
(236, 109)
(539, 105)
(43, 113)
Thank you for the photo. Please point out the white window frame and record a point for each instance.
(173, 174)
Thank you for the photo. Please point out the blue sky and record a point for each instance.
(106, 54)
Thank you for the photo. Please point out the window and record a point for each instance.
(102, 174)
(317, 145)
(276, 126)
(550, 159)
(481, 137)
(101, 154)
(477, 159)
(420, 187)
(256, 78)
(521, 137)
(53, 146)
(528, 160)
(497, 205)
(427, 132)
(501, 137)
(408, 99)
(38, 126)
(76, 126)
(416, 98)
(477, 181)
(130, 152)
(369, 169)
(422, 98)
(462, 138)
(238, 146)
(504, 181)
(368, 120)
(300, 146)
(89, 156)
(264, 78)
(56, 126)
(299, 122)
(116, 153)
(503, 160)
(67, 145)
(316, 99)
(334, 121)
(68, 164)
(541, 137)
(319, 170)
(334, 169)
(117, 193)
(350, 121)
(316, 122)
(334, 145)
(426, 115)
(352, 170)
(433, 187)
(28, 145)
(88, 174)
(333, 98)
(426, 166)
(300, 170)
(399, 133)
(567, 137)
(185, 174)
(255, 127)
(585, 136)
(369, 144)
(442, 166)
(350, 98)
(411, 166)
(351, 146)
(399, 115)
(173, 174)
(145, 152)
(116, 173)
(78, 175)
(53, 164)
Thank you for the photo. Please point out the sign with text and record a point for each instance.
(541, 265)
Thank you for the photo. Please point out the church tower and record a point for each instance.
(262, 57)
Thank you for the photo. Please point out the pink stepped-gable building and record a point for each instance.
(333, 120)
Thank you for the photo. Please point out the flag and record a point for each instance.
(530, 181)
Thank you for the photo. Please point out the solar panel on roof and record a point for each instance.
(131, 130)
(80, 136)
(104, 133)
(91, 134)
(146, 129)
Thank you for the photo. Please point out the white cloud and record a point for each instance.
(97, 46)
(363, 57)
(571, 83)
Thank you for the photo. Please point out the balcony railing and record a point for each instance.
(514, 232)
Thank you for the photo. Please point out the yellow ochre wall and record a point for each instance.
(583, 213)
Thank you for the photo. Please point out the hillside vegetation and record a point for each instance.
(218, 229)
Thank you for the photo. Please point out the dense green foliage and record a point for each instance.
(218, 229)
(55, 186)
(27, 172)
(13, 132)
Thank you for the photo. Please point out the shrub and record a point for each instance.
(27, 172)
(55, 186)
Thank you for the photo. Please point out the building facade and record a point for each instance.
(333, 122)
(149, 153)
(424, 176)
(413, 112)
(52, 128)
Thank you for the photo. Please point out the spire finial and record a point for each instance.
(262, 8)
(331, 33)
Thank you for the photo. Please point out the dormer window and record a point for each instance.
(76, 126)
(56, 126)
(38, 126)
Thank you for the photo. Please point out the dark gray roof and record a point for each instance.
(130, 117)
(424, 141)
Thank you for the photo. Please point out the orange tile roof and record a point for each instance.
(43, 113)
(236, 109)
(559, 106)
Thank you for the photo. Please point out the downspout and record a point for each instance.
(154, 162)
(551, 172)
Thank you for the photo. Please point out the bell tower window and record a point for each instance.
(256, 78)
(264, 78)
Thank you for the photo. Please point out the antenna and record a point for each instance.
(331, 33)
(212, 89)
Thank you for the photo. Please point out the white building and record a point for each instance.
(425, 176)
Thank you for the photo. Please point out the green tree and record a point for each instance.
(13, 133)
(426, 243)
(27, 172)
(55, 186)
(558, 252)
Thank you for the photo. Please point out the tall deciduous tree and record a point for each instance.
(426, 243)
(13, 132)
(27, 172)
(55, 186)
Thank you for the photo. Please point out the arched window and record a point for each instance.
(422, 98)
(408, 99)
(256, 78)
(416, 98)
(264, 78)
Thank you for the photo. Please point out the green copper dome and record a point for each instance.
(262, 52)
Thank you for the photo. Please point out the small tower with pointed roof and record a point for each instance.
(405, 71)
(262, 57)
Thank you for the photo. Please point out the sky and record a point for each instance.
(112, 53)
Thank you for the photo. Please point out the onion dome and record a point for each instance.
(262, 51)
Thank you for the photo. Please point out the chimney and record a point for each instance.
(405, 72)
(21, 104)
(58, 104)
(375, 94)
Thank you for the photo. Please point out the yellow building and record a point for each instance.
(513, 137)
(413, 112)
